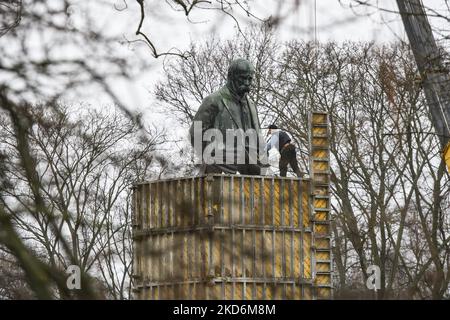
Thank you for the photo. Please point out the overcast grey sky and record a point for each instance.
(335, 20)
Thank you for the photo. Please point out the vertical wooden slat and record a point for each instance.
(263, 206)
(156, 254)
(288, 252)
(251, 202)
(145, 213)
(278, 253)
(282, 195)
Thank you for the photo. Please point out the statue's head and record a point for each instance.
(240, 76)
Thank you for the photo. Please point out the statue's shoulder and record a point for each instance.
(217, 96)
(222, 93)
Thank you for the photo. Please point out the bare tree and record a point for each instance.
(44, 56)
(84, 168)
(13, 284)
(389, 185)
(188, 81)
(376, 105)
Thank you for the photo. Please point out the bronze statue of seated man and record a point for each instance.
(226, 130)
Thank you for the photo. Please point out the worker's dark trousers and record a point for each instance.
(288, 156)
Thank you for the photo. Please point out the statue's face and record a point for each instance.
(243, 81)
(242, 76)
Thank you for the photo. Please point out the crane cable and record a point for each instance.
(315, 22)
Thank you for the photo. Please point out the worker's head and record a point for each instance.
(272, 128)
(240, 76)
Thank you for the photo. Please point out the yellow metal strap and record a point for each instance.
(446, 155)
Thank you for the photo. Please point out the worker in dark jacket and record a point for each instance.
(281, 140)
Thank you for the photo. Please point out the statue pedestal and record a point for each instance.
(234, 236)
